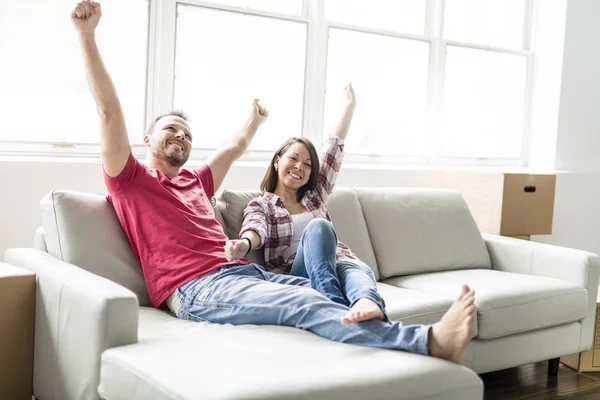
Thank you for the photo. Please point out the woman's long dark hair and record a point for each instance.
(269, 182)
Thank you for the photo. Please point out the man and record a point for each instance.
(167, 216)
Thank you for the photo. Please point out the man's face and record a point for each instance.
(171, 140)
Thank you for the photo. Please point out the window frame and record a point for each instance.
(160, 67)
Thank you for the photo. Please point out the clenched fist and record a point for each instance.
(258, 112)
(86, 15)
(236, 249)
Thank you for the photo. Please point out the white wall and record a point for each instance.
(577, 206)
(578, 140)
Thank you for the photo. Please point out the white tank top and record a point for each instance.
(299, 222)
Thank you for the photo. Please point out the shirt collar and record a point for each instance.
(273, 198)
(278, 201)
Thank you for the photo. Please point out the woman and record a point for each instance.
(291, 221)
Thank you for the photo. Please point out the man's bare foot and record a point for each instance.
(363, 310)
(448, 338)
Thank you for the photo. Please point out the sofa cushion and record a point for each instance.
(83, 229)
(507, 303)
(231, 205)
(413, 306)
(252, 362)
(350, 226)
(39, 240)
(421, 230)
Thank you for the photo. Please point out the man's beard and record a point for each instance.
(171, 157)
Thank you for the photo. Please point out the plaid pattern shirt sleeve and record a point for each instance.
(255, 220)
(331, 161)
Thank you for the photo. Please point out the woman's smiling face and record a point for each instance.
(294, 167)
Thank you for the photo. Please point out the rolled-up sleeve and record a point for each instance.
(255, 220)
(331, 162)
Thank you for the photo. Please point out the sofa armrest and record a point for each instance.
(78, 315)
(576, 266)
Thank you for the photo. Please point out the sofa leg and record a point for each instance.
(553, 367)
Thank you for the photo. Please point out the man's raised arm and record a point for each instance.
(221, 160)
(114, 142)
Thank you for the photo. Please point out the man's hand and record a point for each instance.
(349, 93)
(258, 112)
(221, 161)
(236, 249)
(85, 16)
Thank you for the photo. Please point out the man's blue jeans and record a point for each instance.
(247, 294)
(344, 282)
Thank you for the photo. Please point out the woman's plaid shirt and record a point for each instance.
(266, 215)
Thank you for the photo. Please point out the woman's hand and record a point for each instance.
(350, 96)
(235, 249)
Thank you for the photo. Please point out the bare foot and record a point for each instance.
(448, 338)
(363, 310)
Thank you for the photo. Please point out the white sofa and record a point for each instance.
(97, 336)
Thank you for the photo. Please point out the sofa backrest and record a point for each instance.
(421, 230)
(231, 205)
(83, 229)
(39, 240)
(350, 225)
(344, 209)
(396, 231)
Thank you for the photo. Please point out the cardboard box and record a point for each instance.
(588, 361)
(17, 319)
(508, 204)
(522, 237)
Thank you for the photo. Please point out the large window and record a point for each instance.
(485, 78)
(225, 59)
(44, 95)
(390, 77)
(437, 81)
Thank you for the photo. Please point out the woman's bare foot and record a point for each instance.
(448, 338)
(363, 310)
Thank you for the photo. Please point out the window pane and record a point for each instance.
(389, 76)
(485, 22)
(407, 16)
(278, 6)
(42, 79)
(224, 60)
(484, 95)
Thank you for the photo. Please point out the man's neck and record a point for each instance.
(163, 167)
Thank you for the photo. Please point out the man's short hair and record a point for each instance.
(174, 113)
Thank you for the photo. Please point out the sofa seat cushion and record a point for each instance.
(507, 303)
(413, 306)
(212, 361)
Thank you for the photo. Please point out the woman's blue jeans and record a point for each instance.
(343, 282)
